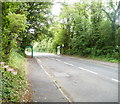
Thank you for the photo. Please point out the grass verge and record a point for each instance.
(106, 59)
(14, 85)
(99, 58)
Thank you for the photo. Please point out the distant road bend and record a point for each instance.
(81, 80)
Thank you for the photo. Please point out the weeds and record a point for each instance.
(13, 85)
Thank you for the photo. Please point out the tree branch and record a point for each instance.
(107, 14)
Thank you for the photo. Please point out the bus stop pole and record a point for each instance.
(32, 52)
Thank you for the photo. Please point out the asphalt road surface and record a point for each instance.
(79, 79)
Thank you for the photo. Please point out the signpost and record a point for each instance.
(58, 50)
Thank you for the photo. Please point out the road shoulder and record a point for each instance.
(44, 90)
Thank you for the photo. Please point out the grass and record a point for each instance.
(17, 61)
(106, 59)
(100, 58)
(14, 86)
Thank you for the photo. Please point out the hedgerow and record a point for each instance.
(13, 80)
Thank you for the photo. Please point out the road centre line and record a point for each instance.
(68, 64)
(87, 70)
(96, 73)
(58, 60)
(78, 67)
(65, 62)
(93, 61)
(115, 80)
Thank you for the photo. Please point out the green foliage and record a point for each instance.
(13, 86)
(16, 22)
(16, 61)
(18, 19)
(86, 29)
(13, 25)
(59, 38)
(44, 46)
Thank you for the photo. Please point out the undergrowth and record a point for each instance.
(100, 58)
(14, 86)
(107, 59)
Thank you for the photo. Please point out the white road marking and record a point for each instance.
(95, 61)
(54, 81)
(87, 70)
(115, 80)
(96, 73)
(68, 64)
(79, 68)
(58, 60)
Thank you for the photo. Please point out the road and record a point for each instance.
(79, 79)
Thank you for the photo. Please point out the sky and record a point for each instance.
(57, 5)
(56, 9)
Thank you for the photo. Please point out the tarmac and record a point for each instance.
(42, 87)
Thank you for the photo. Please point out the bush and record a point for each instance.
(17, 61)
(44, 46)
(14, 85)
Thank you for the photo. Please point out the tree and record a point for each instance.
(83, 29)
(17, 21)
(38, 19)
(10, 27)
(113, 15)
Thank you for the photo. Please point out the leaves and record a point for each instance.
(17, 22)
(85, 30)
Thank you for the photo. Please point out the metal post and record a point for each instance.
(58, 50)
(32, 51)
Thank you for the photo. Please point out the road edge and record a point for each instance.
(54, 81)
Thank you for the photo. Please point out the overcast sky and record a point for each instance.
(57, 5)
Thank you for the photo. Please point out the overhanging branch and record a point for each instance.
(107, 14)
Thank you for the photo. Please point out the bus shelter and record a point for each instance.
(31, 47)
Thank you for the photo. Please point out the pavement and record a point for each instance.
(56, 78)
(42, 87)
